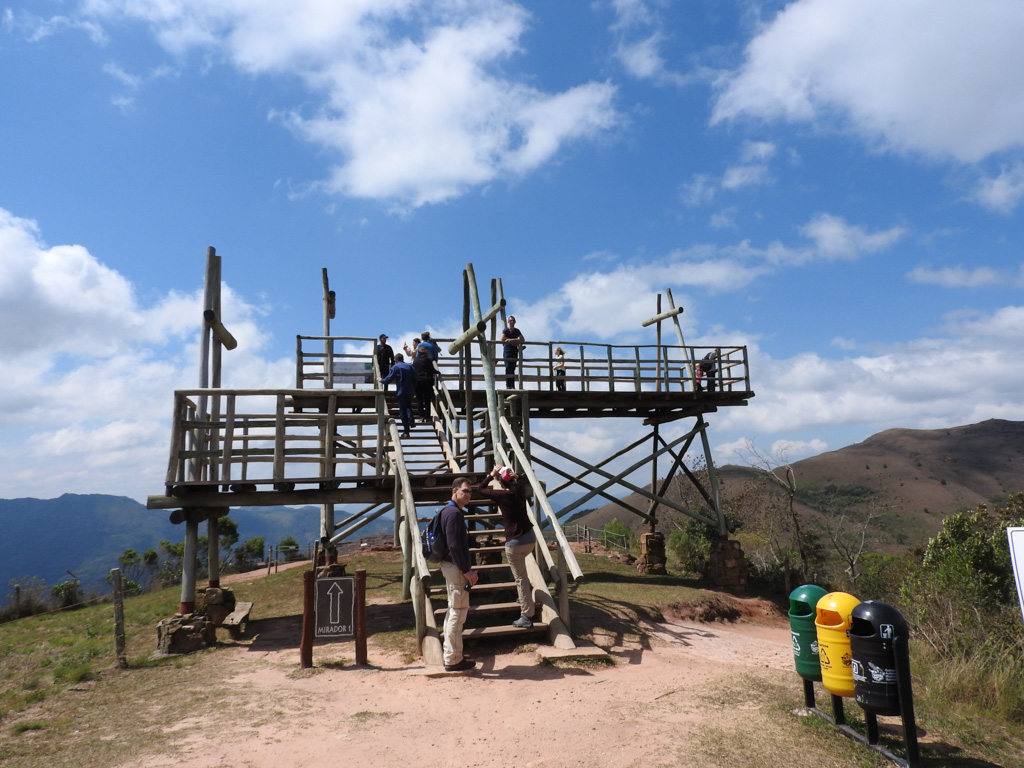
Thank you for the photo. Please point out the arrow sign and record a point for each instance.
(335, 602)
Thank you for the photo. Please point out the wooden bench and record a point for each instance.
(237, 619)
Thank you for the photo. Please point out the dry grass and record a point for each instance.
(111, 714)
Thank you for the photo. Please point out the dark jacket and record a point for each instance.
(385, 358)
(511, 502)
(424, 368)
(453, 521)
(405, 378)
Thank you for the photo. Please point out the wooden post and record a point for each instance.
(119, 642)
(188, 567)
(360, 622)
(213, 549)
(308, 619)
(563, 591)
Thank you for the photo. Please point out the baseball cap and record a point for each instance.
(506, 473)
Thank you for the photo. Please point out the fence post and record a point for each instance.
(119, 641)
(360, 622)
(308, 619)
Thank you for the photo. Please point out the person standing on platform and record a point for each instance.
(559, 369)
(424, 368)
(459, 575)
(520, 538)
(513, 340)
(708, 368)
(405, 388)
(385, 357)
(433, 350)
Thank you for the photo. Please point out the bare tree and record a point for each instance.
(780, 518)
(847, 535)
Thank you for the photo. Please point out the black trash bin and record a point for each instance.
(879, 657)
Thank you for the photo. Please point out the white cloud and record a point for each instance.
(642, 58)
(724, 219)
(606, 303)
(87, 373)
(1003, 192)
(961, 377)
(641, 36)
(835, 239)
(745, 176)
(35, 28)
(960, 277)
(699, 190)
(1002, 329)
(751, 170)
(794, 450)
(942, 78)
(414, 117)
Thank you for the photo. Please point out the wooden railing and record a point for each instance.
(342, 362)
(236, 437)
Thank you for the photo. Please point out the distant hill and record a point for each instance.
(917, 476)
(85, 534)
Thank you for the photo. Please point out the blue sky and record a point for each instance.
(836, 184)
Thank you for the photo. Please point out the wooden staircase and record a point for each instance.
(493, 601)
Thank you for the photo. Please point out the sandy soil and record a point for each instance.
(660, 694)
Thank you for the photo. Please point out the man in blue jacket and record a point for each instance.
(459, 575)
(405, 389)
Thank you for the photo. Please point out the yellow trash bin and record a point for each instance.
(832, 620)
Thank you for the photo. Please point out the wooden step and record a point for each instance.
(442, 591)
(478, 550)
(481, 567)
(504, 630)
(483, 608)
(485, 531)
(484, 516)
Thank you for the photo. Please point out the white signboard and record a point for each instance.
(1016, 536)
(353, 373)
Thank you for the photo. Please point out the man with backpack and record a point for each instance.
(459, 575)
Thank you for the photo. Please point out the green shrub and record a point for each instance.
(67, 594)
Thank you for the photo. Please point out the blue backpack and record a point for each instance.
(435, 546)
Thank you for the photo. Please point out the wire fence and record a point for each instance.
(618, 542)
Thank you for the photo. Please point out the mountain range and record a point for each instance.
(83, 535)
(911, 478)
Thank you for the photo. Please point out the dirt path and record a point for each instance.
(681, 695)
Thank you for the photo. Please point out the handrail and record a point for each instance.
(412, 544)
(589, 366)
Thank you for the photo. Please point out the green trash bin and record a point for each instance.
(802, 602)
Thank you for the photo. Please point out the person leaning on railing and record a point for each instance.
(520, 538)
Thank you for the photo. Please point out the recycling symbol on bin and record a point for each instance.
(796, 644)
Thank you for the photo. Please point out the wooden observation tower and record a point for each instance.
(332, 440)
